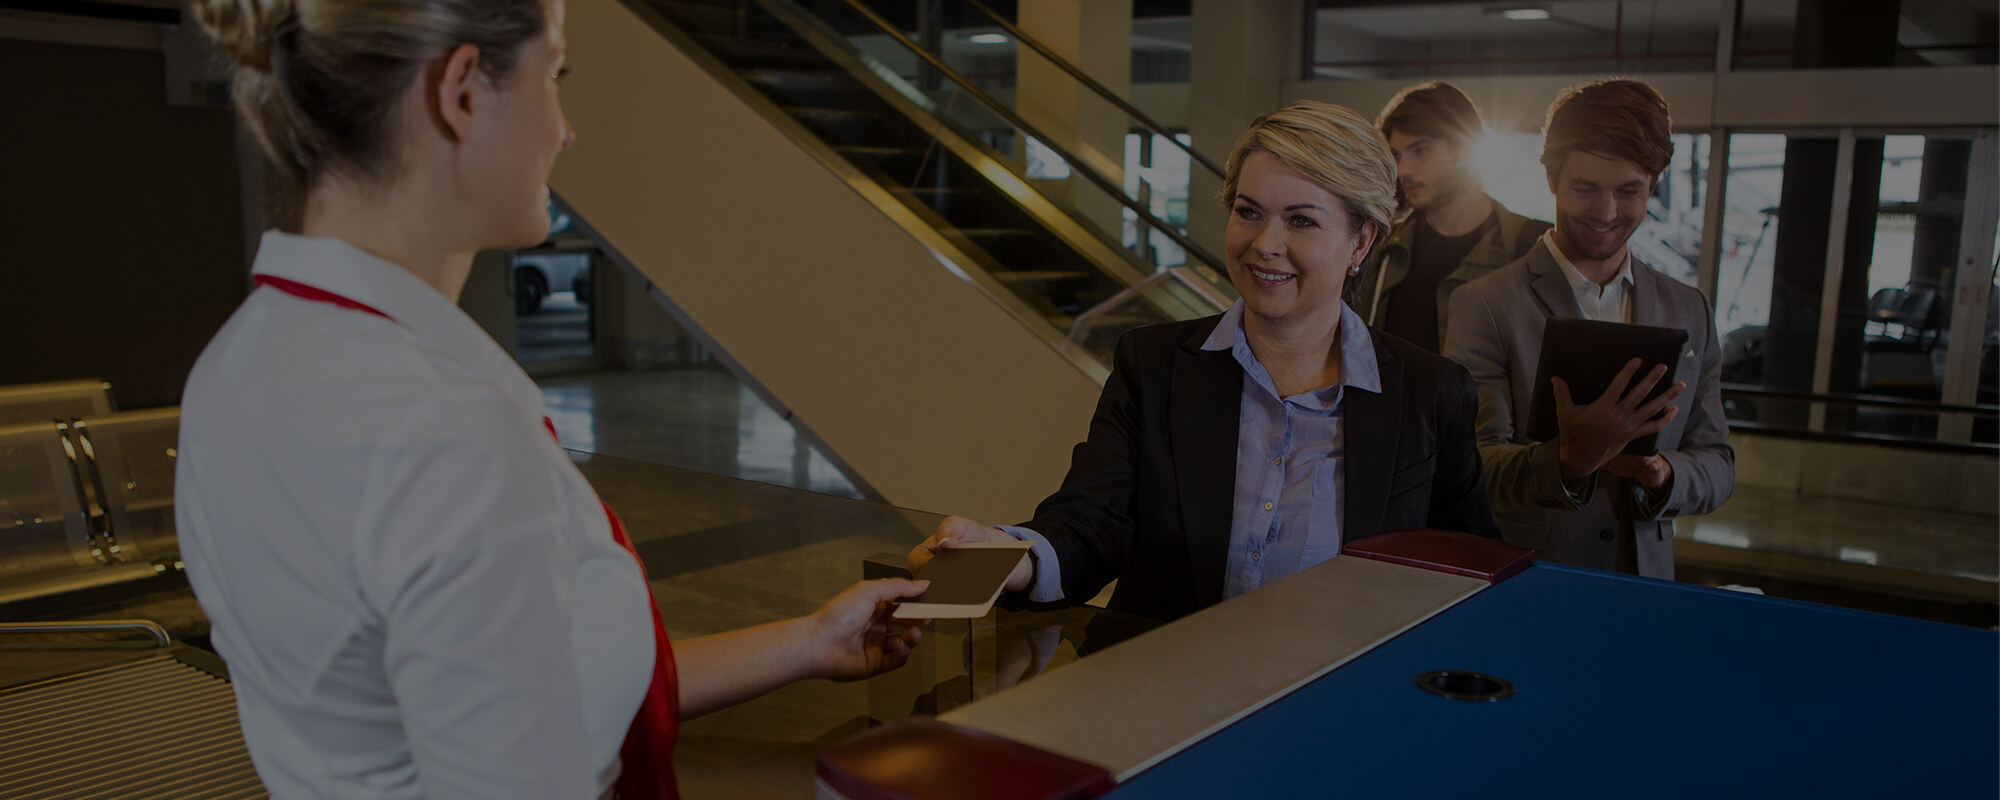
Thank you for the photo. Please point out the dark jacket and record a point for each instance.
(1148, 495)
(1390, 262)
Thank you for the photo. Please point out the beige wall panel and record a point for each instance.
(1776, 99)
(1860, 97)
(924, 387)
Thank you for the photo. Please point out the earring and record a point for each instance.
(1354, 270)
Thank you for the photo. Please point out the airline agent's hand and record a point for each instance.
(955, 531)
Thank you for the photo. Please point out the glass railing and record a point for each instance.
(1174, 293)
(1078, 143)
(1148, 163)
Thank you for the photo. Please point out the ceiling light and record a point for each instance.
(1519, 13)
(987, 38)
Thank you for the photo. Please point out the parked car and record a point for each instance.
(538, 274)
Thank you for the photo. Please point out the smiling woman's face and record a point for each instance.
(1289, 243)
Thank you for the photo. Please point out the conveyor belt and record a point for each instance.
(156, 728)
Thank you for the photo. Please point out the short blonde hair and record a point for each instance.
(1338, 150)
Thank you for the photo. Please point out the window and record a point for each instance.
(1894, 291)
(1166, 191)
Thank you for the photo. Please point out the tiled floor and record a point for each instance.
(1935, 542)
(697, 418)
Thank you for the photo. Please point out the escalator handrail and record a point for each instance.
(1868, 400)
(159, 634)
(1007, 114)
(1100, 89)
(1179, 275)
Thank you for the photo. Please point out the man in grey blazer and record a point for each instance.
(1578, 499)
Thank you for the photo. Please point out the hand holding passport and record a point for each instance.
(965, 580)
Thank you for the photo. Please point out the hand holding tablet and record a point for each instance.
(1603, 392)
(1593, 358)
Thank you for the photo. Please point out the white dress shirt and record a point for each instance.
(416, 592)
(1610, 303)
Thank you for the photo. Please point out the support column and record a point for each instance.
(1052, 100)
(1971, 276)
(1244, 51)
(1830, 33)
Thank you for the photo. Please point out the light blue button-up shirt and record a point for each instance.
(1290, 454)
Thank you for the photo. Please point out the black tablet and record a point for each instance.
(1588, 355)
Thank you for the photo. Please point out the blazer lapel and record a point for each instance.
(1550, 285)
(1646, 308)
(1649, 307)
(1205, 408)
(1369, 427)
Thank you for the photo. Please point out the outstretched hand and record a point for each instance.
(955, 531)
(853, 635)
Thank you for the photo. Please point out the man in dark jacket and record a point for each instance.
(1454, 233)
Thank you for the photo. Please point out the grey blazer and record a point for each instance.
(1495, 332)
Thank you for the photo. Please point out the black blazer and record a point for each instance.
(1147, 499)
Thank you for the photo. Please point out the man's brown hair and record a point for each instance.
(1611, 118)
(1432, 109)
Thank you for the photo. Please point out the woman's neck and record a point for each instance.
(397, 226)
(1300, 356)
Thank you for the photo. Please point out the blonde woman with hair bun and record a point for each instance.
(1231, 451)
(417, 593)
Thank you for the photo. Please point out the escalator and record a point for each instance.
(926, 137)
(911, 250)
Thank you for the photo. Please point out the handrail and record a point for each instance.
(1877, 439)
(1101, 90)
(1089, 317)
(1007, 114)
(1859, 400)
(160, 637)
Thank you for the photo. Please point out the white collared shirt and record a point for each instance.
(1612, 303)
(416, 592)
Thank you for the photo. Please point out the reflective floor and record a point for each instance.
(1934, 542)
(697, 418)
(559, 329)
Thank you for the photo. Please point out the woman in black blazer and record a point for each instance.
(1230, 451)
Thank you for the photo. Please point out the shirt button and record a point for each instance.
(1267, 506)
(1256, 556)
(1604, 536)
(1278, 460)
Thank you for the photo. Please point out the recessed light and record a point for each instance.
(987, 38)
(1519, 13)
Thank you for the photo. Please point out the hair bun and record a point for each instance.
(244, 28)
